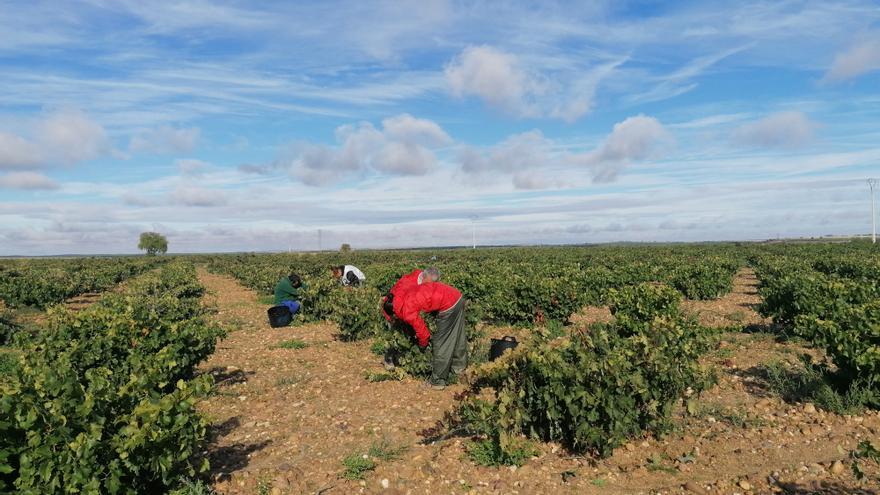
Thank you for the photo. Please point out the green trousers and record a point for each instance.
(449, 342)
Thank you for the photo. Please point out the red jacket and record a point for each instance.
(425, 298)
(406, 283)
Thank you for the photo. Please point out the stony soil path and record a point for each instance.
(285, 419)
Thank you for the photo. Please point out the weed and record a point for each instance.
(737, 316)
(381, 376)
(724, 353)
(735, 417)
(290, 344)
(263, 487)
(814, 383)
(600, 482)
(489, 453)
(657, 463)
(357, 466)
(267, 299)
(190, 487)
(865, 450)
(385, 451)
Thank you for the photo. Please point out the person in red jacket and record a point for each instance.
(450, 340)
(405, 283)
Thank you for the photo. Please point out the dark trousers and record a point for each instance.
(449, 342)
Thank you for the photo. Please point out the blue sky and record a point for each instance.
(250, 125)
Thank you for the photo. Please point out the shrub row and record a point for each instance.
(599, 387)
(103, 400)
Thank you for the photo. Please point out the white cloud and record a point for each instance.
(191, 167)
(519, 152)
(860, 58)
(531, 158)
(402, 147)
(27, 180)
(502, 80)
(70, 136)
(634, 139)
(17, 152)
(165, 140)
(789, 129)
(494, 76)
(64, 137)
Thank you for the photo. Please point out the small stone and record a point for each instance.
(745, 485)
(809, 408)
(512, 468)
(242, 398)
(275, 491)
(837, 467)
(694, 487)
(385, 483)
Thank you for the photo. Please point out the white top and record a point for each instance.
(353, 269)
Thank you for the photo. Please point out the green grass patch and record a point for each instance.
(808, 382)
(291, 344)
(357, 466)
(382, 376)
(489, 453)
(266, 299)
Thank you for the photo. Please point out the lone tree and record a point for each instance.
(153, 243)
(345, 248)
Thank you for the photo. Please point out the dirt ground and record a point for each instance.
(285, 418)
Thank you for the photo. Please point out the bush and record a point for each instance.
(705, 279)
(357, 312)
(104, 400)
(597, 389)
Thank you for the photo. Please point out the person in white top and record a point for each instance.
(349, 275)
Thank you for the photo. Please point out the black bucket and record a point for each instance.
(279, 316)
(500, 345)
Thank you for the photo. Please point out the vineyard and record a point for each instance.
(640, 369)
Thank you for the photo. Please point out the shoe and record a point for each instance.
(435, 386)
(389, 366)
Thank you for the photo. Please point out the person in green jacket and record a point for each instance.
(288, 292)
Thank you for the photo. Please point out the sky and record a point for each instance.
(278, 125)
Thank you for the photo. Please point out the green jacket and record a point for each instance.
(284, 291)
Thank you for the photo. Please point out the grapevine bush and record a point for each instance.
(596, 389)
(103, 401)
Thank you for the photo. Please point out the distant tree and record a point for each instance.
(346, 248)
(153, 243)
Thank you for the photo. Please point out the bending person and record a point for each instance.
(450, 340)
(288, 292)
(349, 275)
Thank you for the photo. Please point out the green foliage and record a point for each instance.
(104, 400)
(598, 388)
(386, 451)
(357, 466)
(637, 307)
(153, 243)
(489, 453)
(831, 300)
(356, 311)
(8, 326)
(41, 282)
(704, 279)
(809, 382)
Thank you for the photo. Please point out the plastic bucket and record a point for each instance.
(500, 345)
(279, 316)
